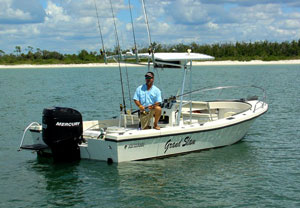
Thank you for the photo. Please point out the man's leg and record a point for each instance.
(157, 114)
(145, 120)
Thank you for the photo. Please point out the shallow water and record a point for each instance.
(261, 171)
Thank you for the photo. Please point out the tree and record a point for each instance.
(38, 54)
(29, 49)
(83, 55)
(18, 50)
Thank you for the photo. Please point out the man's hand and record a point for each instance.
(142, 108)
(139, 105)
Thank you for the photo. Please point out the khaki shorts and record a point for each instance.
(146, 118)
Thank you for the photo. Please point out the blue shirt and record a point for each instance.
(147, 97)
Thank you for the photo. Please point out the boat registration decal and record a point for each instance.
(182, 143)
(136, 145)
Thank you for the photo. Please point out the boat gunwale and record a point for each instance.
(189, 132)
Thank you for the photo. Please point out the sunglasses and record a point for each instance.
(148, 77)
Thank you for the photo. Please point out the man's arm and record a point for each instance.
(154, 105)
(136, 99)
(138, 104)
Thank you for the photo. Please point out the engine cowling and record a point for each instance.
(62, 132)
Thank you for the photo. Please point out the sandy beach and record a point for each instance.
(204, 63)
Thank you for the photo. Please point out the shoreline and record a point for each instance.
(195, 63)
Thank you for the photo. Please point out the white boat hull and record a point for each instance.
(164, 146)
(135, 144)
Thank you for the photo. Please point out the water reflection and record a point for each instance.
(182, 178)
(146, 183)
(61, 182)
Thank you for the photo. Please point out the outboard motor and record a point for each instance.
(62, 132)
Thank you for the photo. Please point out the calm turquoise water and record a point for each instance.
(261, 171)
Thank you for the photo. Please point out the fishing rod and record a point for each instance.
(127, 78)
(147, 23)
(151, 49)
(135, 48)
(128, 87)
(119, 59)
(102, 52)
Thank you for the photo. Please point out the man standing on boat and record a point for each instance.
(148, 98)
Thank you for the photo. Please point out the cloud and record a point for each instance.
(183, 12)
(20, 12)
(56, 13)
(228, 20)
(292, 3)
(71, 25)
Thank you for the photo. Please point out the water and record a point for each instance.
(261, 171)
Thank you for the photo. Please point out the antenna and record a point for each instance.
(119, 57)
(99, 26)
(135, 48)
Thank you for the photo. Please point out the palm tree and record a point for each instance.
(18, 50)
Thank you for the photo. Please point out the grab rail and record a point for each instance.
(230, 87)
(26, 129)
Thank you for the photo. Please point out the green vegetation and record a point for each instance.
(47, 57)
(241, 51)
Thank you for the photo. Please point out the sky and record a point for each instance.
(68, 26)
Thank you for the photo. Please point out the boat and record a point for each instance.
(186, 125)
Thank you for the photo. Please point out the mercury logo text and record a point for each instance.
(69, 124)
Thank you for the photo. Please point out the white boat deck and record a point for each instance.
(196, 125)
